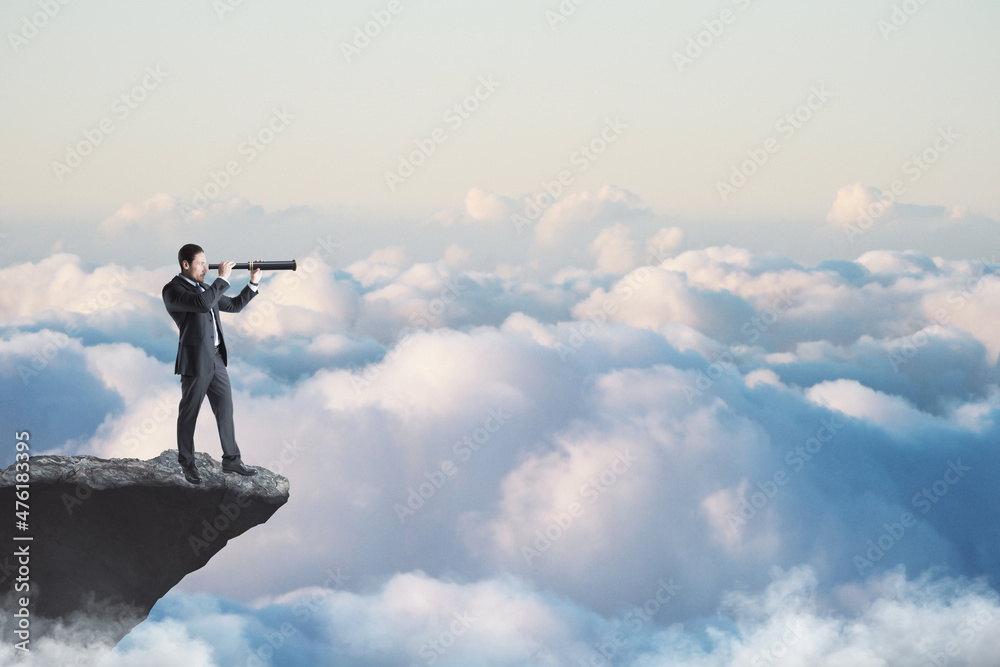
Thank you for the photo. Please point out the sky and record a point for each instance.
(622, 334)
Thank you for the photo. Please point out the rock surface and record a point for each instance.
(111, 537)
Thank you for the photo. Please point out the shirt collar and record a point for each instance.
(188, 279)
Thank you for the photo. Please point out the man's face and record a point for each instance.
(197, 269)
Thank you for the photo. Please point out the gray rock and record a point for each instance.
(111, 537)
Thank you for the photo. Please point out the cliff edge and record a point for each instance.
(109, 537)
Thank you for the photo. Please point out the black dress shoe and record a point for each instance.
(238, 467)
(191, 474)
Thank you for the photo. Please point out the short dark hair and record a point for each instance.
(187, 253)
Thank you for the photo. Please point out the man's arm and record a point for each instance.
(239, 302)
(178, 298)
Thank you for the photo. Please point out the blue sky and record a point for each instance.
(669, 337)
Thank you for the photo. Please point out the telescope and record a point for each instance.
(266, 266)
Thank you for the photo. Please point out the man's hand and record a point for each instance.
(255, 274)
(224, 269)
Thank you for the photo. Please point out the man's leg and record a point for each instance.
(193, 388)
(220, 397)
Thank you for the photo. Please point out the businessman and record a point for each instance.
(201, 354)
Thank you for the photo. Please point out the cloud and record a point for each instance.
(896, 621)
(614, 250)
(557, 445)
(585, 209)
(86, 638)
(456, 256)
(650, 297)
(855, 200)
(381, 267)
(852, 398)
(167, 214)
(665, 241)
(64, 282)
(163, 644)
(869, 218)
(159, 209)
(412, 618)
(483, 206)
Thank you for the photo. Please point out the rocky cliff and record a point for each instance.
(111, 537)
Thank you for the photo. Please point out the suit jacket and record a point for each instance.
(193, 310)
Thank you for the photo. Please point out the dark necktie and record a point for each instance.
(215, 324)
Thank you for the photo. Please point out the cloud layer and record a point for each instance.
(781, 458)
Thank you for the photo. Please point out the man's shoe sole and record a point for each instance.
(246, 472)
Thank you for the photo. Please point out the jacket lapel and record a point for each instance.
(214, 313)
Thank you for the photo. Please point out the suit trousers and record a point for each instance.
(220, 396)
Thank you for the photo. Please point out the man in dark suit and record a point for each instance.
(201, 354)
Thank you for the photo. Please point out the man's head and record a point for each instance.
(192, 260)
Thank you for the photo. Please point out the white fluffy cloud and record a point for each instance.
(703, 416)
(159, 209)
(584, 209)
(169, 213)
(855, 200)
(481, 205)
(615, 252)
(416, 619)
(665, 241)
